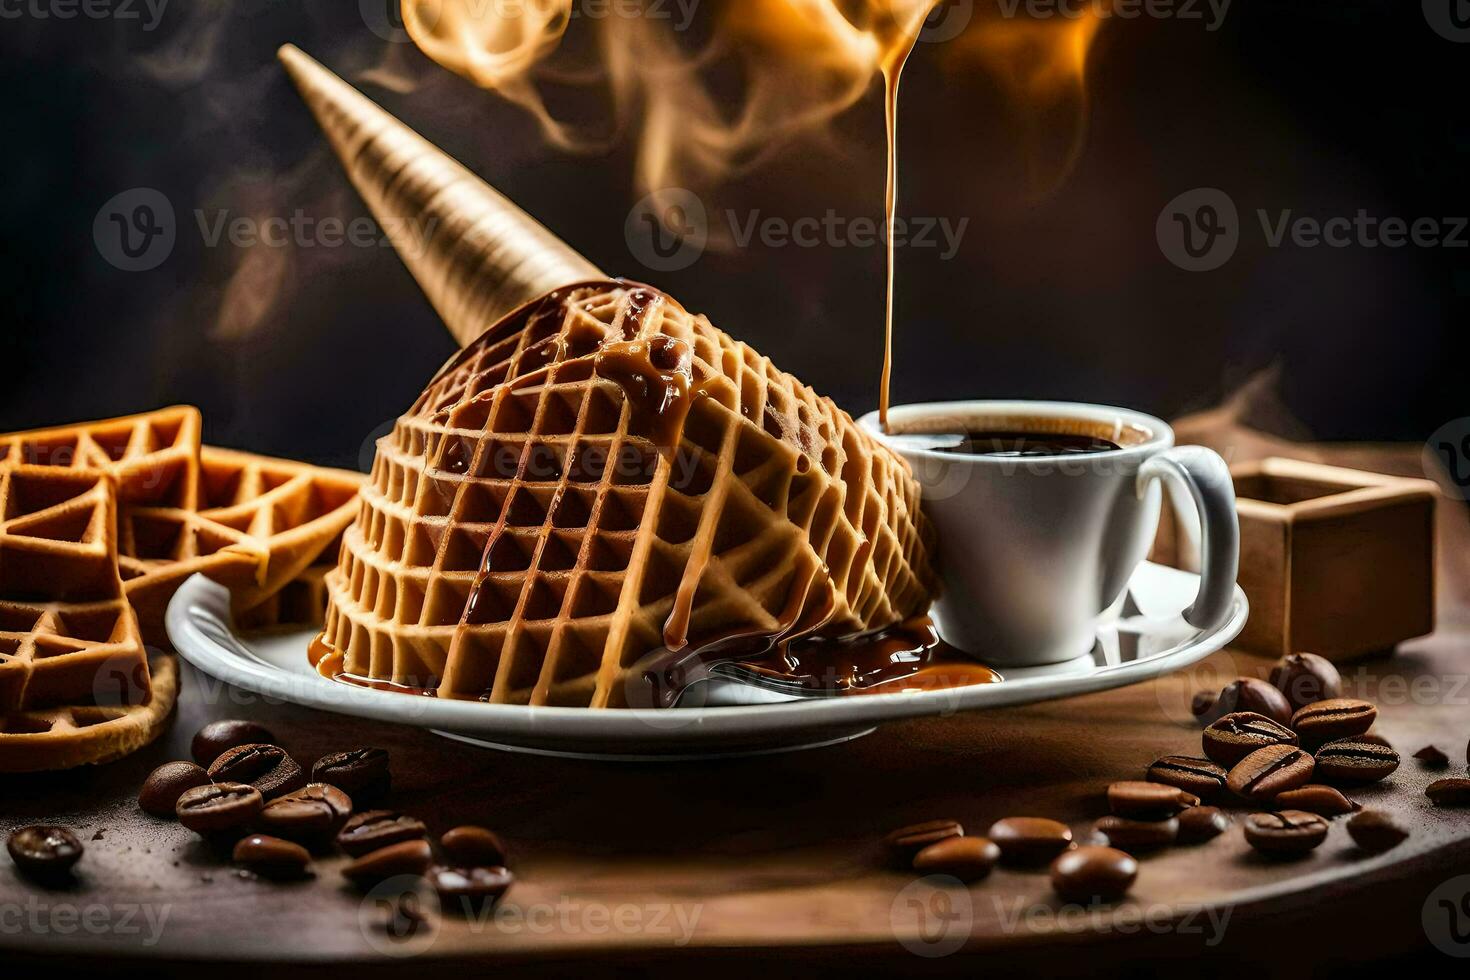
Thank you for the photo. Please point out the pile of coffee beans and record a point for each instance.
(245, 794)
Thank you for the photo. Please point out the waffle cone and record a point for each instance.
(475, 254)
(547, 525)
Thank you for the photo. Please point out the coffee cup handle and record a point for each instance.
(1203, 474)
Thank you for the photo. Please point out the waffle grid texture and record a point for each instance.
(528, 536)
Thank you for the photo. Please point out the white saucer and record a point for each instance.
(1143, 638)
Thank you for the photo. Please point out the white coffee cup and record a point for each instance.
(1033, 550)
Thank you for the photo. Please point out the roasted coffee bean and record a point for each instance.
(1432, 757)
(362, 773)
(266, 767)
(410, 857)
(1030, 840)
(1315, 798)
(1247, 694)
(1449, 792)
(1268, 772)
(1232, 738)
(315, 812)
(219, 807)
(474, 847)
(1375, 831)
(1201, 777)
(44, 853)
(903, 843)
(1138, 835)
(1201, 823)
(164, 785)
(469, 889)
(1148, 801)
(965, 858)
(1356, 760)
(212, 740)
(1285, 833)
(1324, 721)
(271, 857)
(1304, 678)
(1093, 874)
(376, 829)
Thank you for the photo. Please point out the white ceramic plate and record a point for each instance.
(1142, 638)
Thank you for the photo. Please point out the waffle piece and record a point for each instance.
(67, 736)
(598, 480)
(260, 523)
(153, 457)
(303, 602)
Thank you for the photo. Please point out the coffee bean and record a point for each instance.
(1285, 833)
(1356, 760)
(1324, 721)
(311, 814)
(163, 787)
(1375, 831)
(44, 853)
(271, 857)
(1193, 775)
(903, 843)
(1432, 757)
(1093, 874)
(1304, 678)
(1030, 840)
(1247, 694)
(472, 847)
(1148, 801)
(266, 767)
(409, 857)
(1267, 772)
(219, 807)
(1237, 735)
(1201, 823)
(1138, 835)
(965, 858)
(212, 740)
(362, 773)
(1315, 798)
(1449, 792)
(469, 889)
(376, 829)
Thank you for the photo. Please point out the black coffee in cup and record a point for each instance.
(1019, 445)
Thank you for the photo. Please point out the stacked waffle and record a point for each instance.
(603, 478)
(101, 522)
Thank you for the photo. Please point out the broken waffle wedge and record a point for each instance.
(599, 484)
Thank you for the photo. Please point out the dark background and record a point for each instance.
(1059, 290)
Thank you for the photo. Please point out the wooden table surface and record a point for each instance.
(734, 865)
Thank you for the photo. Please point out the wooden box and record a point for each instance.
(1336, 562)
